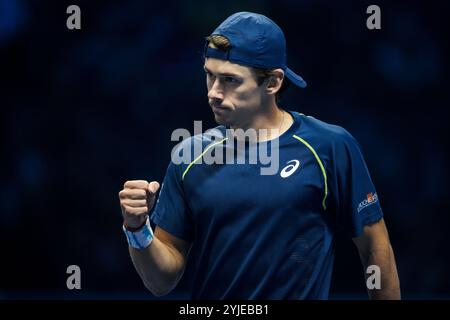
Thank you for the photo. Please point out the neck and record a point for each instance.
(272, 121)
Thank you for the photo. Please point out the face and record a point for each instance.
(233, 93)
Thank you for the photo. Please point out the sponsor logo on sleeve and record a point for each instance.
(371, 198)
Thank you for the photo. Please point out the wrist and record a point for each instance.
(141, 238)
(135, 227)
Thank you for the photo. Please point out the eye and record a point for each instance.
(209, 74)
(230, 80)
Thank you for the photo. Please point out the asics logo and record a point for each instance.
(290, 168)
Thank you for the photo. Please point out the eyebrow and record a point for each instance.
(224, 74)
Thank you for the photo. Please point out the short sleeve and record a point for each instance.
(171, 211)
(357, 202)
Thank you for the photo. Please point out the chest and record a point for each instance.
(295, 182)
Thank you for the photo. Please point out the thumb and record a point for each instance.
(153, 187)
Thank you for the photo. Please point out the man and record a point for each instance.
(255, 236)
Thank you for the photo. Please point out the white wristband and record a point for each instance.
(140, 239)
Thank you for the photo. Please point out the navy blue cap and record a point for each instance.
(256, 41)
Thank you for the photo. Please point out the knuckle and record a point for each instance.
(125, 208)
(137, 194)
(134, 196)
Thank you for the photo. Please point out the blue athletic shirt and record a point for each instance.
(267, 236)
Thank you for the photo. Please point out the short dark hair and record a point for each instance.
(222, 43)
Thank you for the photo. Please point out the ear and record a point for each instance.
(275, 80)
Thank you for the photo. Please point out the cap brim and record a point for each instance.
(295, 78)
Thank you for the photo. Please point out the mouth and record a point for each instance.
(216, 107)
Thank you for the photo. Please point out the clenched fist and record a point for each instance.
(136, 200)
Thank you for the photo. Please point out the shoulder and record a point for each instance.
(324, 135)
(191, 147)
(204, 138)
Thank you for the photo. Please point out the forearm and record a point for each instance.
(159, 266)
(384, 258)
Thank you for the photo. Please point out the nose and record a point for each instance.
(215, 91)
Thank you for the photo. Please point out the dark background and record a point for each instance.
(82, 111)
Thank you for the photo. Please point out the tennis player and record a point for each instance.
(256, 236)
